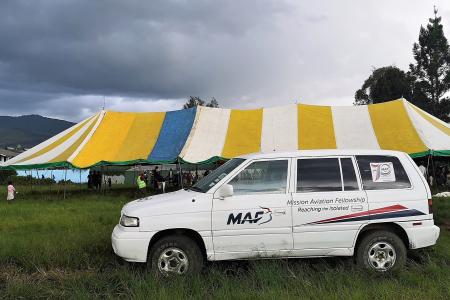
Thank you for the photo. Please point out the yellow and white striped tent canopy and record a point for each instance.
(204, 134)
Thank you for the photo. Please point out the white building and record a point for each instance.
(6, 154)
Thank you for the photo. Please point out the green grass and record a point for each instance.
(54, 248)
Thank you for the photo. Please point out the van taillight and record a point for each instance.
(430, 206)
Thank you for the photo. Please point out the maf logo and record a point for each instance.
(265, 213)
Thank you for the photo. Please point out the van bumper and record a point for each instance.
(422, 236)
(132, 246)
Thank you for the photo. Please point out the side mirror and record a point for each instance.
(224, 191)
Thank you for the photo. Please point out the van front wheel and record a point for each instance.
(381, 251)
(175, 255)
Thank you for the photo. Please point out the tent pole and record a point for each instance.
(104, 181)
(37, 177)
(31, 180)
(434, 173)
(51, 180)
(80, 188)
(101, 179)
(65, 179)
(180, 173)
(134, 181)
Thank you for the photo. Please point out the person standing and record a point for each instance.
(141, 184)
(11, 192)
(94, 180)
(423, 170)
(195, 179)
(146, 177)
(155, 174)
(99, 180)
(171, 176)
(189, 178)
(445, 173)
(90, 180)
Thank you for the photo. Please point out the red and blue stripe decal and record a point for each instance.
(394, 211)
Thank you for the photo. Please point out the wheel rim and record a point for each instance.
(173, 261)
(381, 256)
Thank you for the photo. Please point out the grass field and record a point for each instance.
(54, 248)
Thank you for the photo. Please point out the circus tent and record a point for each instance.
(203, 134)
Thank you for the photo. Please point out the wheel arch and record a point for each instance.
(387, 226)
(190, 233)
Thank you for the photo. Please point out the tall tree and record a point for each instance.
(384, 84)
(197, 101)
(431, 72)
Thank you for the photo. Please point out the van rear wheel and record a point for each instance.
(381, 251)
(175, 255)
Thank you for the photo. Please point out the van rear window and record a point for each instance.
(379, 172)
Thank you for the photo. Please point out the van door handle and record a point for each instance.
(357, 207)
(280, 212)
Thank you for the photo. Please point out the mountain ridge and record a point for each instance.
(29, 130)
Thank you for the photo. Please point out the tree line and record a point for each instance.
(426, 83)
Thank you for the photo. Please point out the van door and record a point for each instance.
(257, 219)
(329, 205)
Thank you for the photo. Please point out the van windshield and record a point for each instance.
(215, 176)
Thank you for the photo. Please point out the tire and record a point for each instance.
(175, 255)
(380, 252)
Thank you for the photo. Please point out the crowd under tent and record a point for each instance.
(204, 134)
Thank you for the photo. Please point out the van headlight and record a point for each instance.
(127, 221)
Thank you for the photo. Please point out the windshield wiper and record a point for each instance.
(195, 189)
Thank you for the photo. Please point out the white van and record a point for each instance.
(372, 204)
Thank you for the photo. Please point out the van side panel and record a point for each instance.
(404, 204)
(419, 236)
(424, 180)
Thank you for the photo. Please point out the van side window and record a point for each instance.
(318, 175)
(262, 177)
(379, 172)
(349, 175)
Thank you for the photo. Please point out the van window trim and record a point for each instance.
(352, 157)
(342, 177)
(357, 174)
(250, 161)
(381, 190)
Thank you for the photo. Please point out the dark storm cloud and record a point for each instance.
(136, 47)
(60, 58)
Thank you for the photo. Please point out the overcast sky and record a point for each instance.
(62, 58)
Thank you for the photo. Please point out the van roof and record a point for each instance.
(321, 152)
